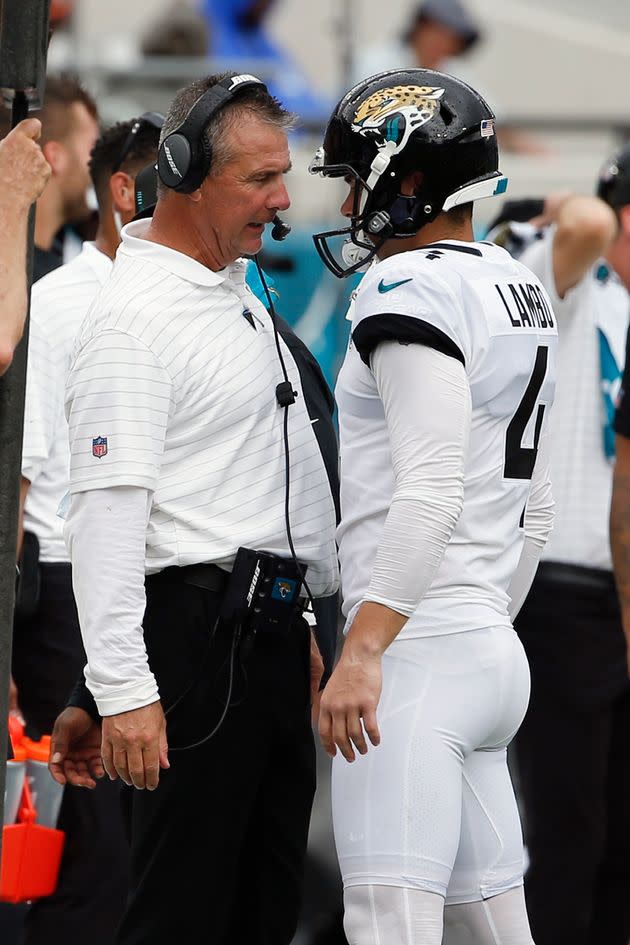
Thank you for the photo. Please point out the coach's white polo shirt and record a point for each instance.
(172, 388)
(59, 303)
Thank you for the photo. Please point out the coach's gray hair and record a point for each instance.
(253, 101)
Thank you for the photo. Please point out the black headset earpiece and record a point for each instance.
(185, 156)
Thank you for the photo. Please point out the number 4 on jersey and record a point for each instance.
(519, 459)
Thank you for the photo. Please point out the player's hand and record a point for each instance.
(24, 171)
(348, 705)
(75, 749)
(134, 746)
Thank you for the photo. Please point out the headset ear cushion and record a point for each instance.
(199, 163)
(174, 161)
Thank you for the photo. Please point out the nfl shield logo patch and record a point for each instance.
(99, 446)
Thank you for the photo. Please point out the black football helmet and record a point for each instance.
(613, 185)
(392, 124)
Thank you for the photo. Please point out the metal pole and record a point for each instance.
(23, 47)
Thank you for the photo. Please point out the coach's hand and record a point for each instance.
(134, 746)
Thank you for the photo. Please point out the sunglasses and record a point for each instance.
(151, 119)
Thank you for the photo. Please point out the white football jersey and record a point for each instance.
(477, 304)
(593, 312)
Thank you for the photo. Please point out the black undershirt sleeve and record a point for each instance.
(403, 328)
(82, 698)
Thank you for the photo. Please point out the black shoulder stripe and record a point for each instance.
(405, 329)
(471, 250)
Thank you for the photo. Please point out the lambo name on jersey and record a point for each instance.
(471, 301)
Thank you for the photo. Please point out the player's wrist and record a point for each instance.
(373, 629)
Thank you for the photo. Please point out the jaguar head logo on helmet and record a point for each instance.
(388, 127)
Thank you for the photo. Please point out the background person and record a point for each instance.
(436, 33)
(69, 120)
(47, 649)
(571, 750)
(440, 34)
(69, 126)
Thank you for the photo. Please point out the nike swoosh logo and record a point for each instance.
(385, 287)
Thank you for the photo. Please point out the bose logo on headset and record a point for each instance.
(238, 79)
(185, 156)
(169, 157)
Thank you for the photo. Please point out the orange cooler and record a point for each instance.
(47, 794)
(14, 784)
(31, 852)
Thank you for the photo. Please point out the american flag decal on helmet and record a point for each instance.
(99, 446)
(487, 127)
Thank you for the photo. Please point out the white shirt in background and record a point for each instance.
(59, 303)
(580, 471)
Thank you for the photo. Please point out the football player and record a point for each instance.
(443, 398)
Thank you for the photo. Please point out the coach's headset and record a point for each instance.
(185, 156)
(184, 160)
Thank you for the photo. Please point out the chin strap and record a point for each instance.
(377, 168)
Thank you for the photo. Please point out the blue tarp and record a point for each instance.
(311, 299)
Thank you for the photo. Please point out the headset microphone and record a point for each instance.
(280, 229)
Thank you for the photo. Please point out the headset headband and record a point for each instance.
(184, 157)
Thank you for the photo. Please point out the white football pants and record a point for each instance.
(432, 808)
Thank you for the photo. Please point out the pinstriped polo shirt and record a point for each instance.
(172, 388)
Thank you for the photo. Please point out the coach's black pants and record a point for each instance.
(573, 756)
(218, 849)
(47, 658)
